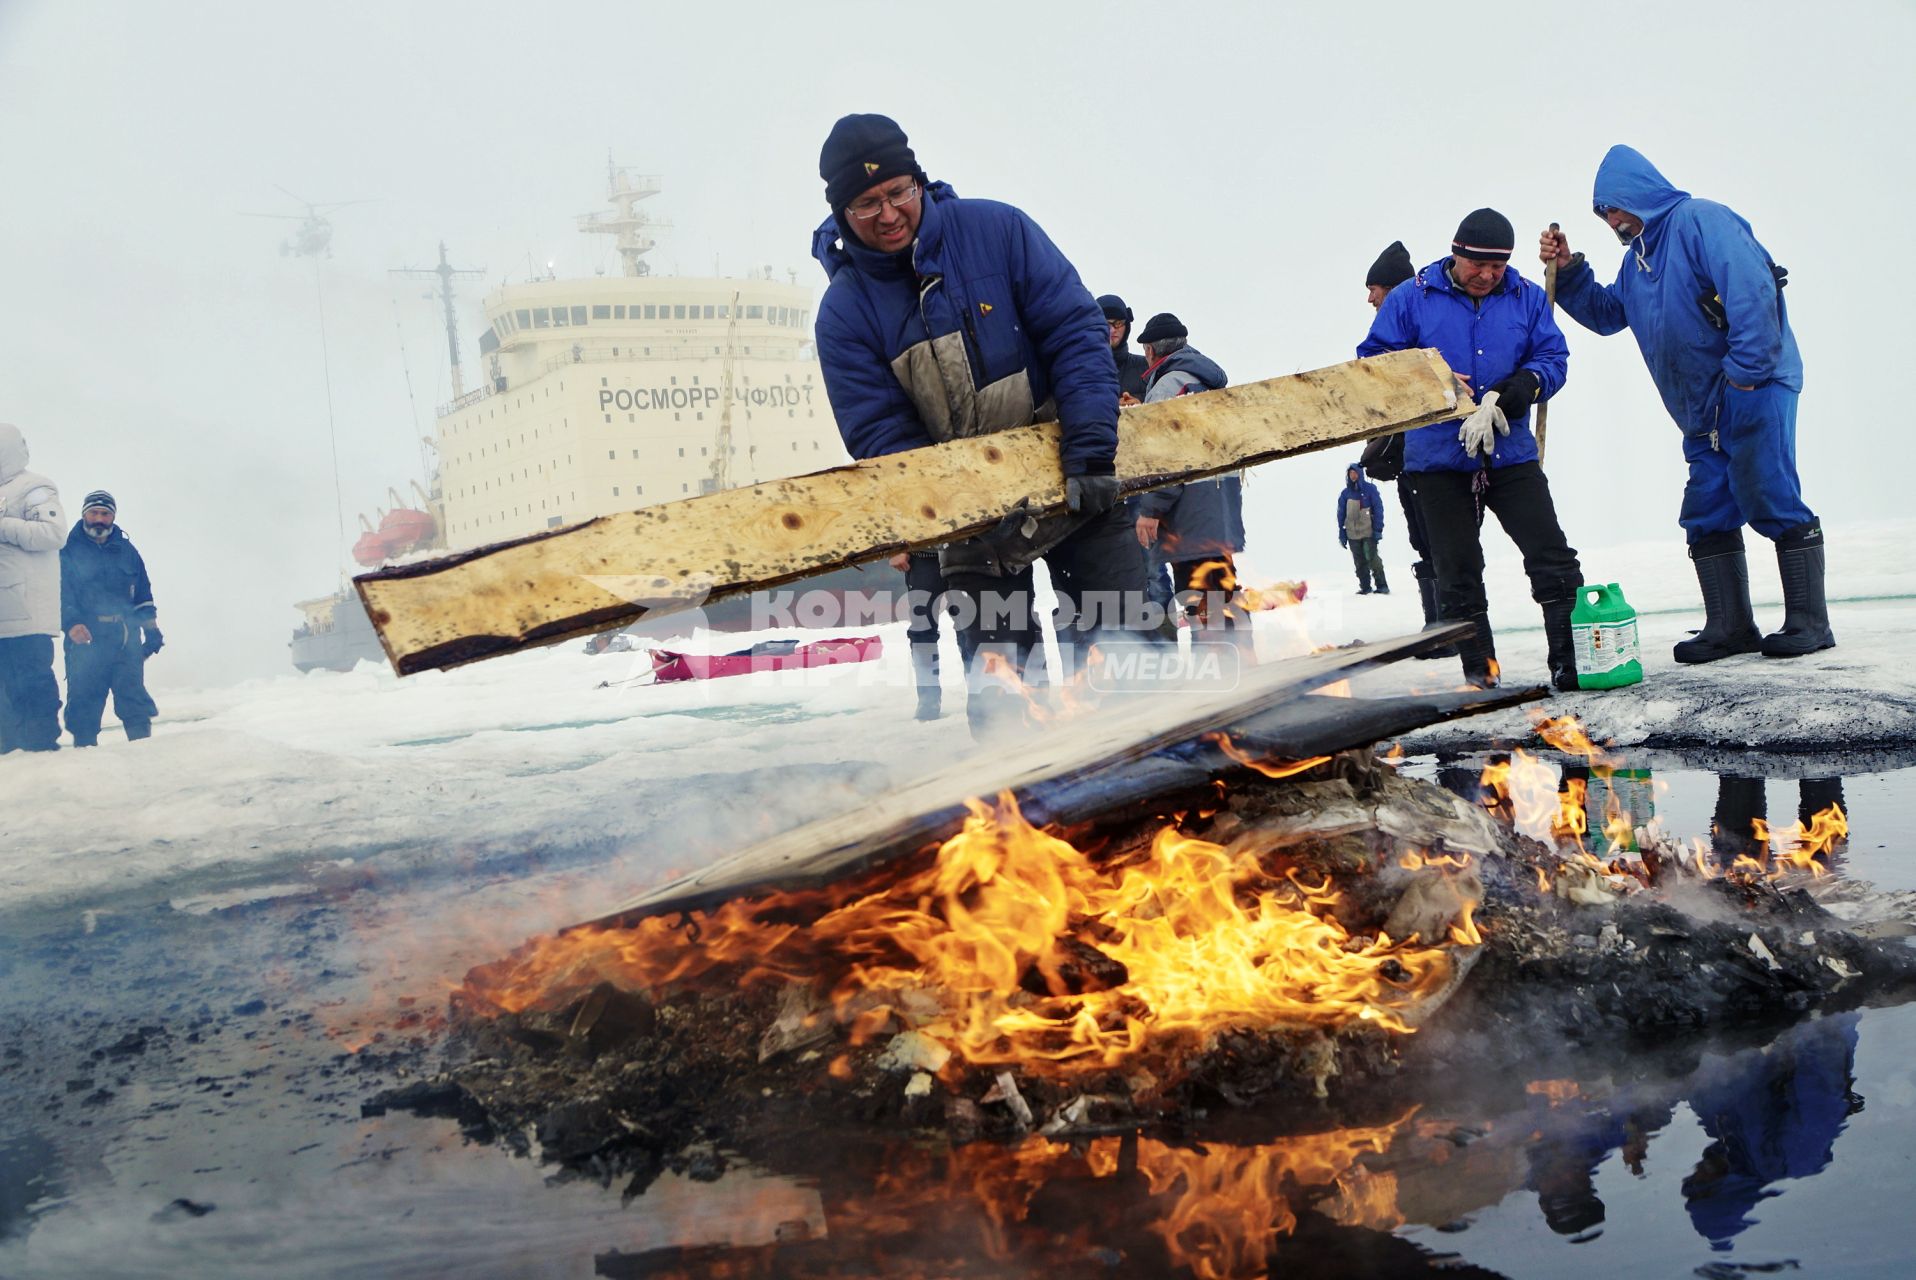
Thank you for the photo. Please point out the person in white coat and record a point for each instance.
(33, 528)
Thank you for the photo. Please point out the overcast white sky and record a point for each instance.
(1239, 164)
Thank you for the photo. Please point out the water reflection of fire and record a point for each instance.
(1016, 948)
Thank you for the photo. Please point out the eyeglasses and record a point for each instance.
(866, 210)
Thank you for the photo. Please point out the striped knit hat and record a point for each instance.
(99, 498)
(1485, 236)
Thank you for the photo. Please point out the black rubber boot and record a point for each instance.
(1806, 615)
(1427, 591)
(924, 666)
(1479, 653)
(1563, 653)
(1729, 627)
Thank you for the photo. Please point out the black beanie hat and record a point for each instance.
(1113, 307)
(861, 151)
(99, 498)
(1163, 325)
(1484, 236)
(1392, 267)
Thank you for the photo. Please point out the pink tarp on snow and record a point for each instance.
(668, 667)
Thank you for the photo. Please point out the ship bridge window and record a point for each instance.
(678, 312)
(755, 313)
(541, 318)
(710, 312)
(578, 315)
(651, 312)
(558, 317)
(602, 312)
(782, 316)
(618, 313)
(725, 311)
(523, 318)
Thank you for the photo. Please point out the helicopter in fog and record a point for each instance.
(313, 238)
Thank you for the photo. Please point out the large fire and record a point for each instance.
(1015, 947)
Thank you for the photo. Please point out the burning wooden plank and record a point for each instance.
(620, 569)
(1130, 730)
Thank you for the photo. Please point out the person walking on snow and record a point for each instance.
(1494, 329)
(1705, 302)
(948, 318)
(1196, 527)
(111, 625)
(32, 530)
(1360, 527)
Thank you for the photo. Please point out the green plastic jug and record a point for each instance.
(1603, 628)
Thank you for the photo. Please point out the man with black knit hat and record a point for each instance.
(111, 624)
(1383, 458)
(1197, 526)
(1495, 329)
(949, 318)
(1131, 365)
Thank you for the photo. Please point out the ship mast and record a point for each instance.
(624, 189)
(446, 274)
(722, 464)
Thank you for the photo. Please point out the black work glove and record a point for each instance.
(1090, 495)
(153, 643)
(1517, 393)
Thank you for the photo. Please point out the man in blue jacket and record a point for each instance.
(1360, 526)
(106, 603)
(1705, 301)
(949, 318)
(1197, 527)
(1494, 328)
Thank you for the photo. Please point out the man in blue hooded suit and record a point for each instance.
(1705, 301)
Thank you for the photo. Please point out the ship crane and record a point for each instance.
(722, 464)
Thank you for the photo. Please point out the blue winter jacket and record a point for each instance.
(1365, 492)
(103, 580)
(984, 325)
(1690, 251)
(1511, 328)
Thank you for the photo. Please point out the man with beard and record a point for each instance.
(112, 627)
(1705, 301)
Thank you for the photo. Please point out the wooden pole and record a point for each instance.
(1550, 300)
(617, 569)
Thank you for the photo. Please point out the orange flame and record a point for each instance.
(1199, 941)
(1269, 768)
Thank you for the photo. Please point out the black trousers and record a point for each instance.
(31, 705)
(112, 663)
(1519, 496)
(1414, 529)
(1098, 574)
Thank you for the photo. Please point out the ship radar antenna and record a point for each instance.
(632, 229)
(446, 274)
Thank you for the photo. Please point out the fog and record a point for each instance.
(1240, 165)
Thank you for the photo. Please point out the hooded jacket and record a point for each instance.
(1511, 328)
(1131, 368)
(1365, 492)
(103, 580)
(1690, 251)
(1203, 517)
(981, 326)
(32, 530)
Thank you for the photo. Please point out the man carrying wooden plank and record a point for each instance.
(950, 318)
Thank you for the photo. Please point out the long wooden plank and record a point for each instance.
(621, 568)
(901, 821)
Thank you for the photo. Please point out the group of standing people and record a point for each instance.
(949, 317)
(1705, 302)
(85, 584)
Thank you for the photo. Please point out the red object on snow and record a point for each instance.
(777, 655)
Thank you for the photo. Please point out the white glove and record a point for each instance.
(1480, 429)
